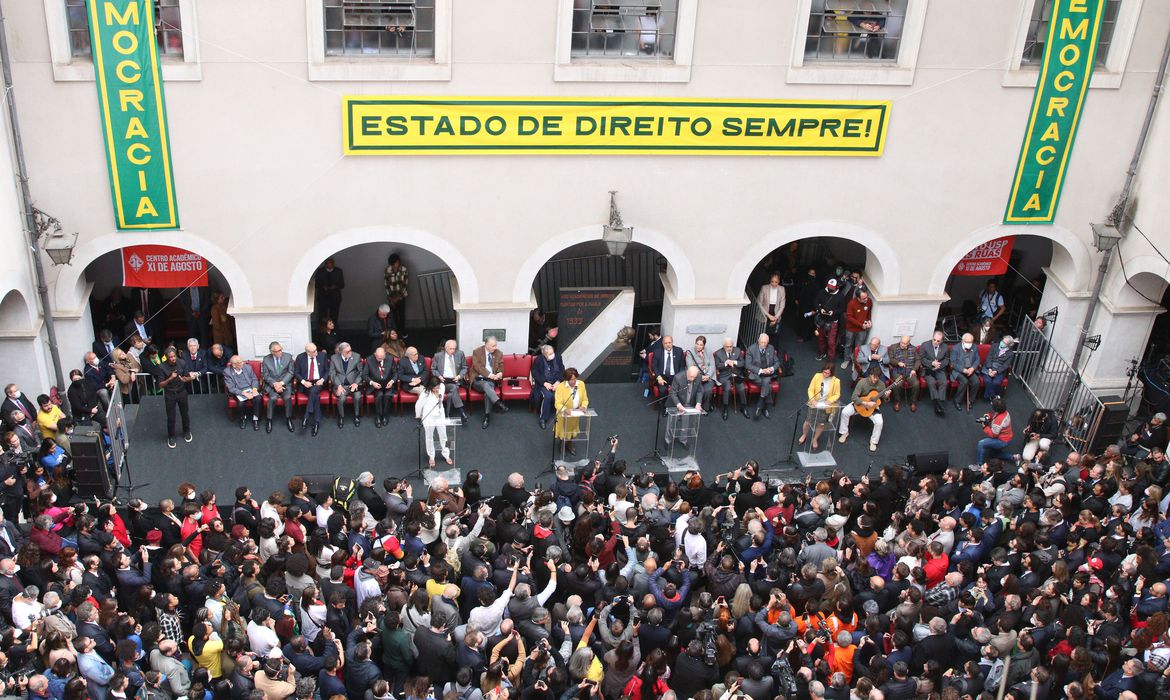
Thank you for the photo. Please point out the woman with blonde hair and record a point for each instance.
(742, 600)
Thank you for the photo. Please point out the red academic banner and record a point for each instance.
(162, 267)
(989, 259)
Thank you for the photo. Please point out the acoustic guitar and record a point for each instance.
(875, 396)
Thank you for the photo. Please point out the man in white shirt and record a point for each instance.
(262, 633)
(26, 609)
(689, 537)
(487, 616)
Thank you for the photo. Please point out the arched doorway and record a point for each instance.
(424, 315)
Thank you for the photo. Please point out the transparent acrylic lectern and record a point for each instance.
(573, 451)
(819, 432)
(682, 438)
(451, 472)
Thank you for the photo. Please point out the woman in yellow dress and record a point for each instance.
(570, 395)
(824, 390)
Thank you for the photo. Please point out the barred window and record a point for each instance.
(854, 30)
(624, 28)
(168, 28)
(1038, 32)
(379, 27)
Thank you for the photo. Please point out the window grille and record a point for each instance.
(624, 28)
(379, 27)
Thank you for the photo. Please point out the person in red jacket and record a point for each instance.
(858, 321)
(997, 426)
(936, 564)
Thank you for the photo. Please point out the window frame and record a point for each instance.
(1108, 76)
(898, 72)
(626, 69)
(70, 68)
(354, 68)
(410, 53)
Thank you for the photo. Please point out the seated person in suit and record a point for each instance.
(311, 372)
(873, 355)
(547, 370)
(14, 400)
(276, 376)
(218, 359)
(762, 364)
(346, 377)
(196, 359)
(486, 374)
(412, 372)
(965, 370)
(668, 361)
(381, 375)
(450, 367)
(999, 362)
(729, 364)
(905, 362)
(240, 381)
(699, 357)
(1152, 434)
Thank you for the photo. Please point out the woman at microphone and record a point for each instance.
(570, 396)
(430, 410)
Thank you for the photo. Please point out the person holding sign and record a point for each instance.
(570, 397)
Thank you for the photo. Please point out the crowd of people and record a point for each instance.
(1031, 578)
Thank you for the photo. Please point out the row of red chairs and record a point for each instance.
(516, 384)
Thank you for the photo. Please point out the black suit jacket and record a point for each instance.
(383, 376)
(405, 373)
(659, 367)
(9, 587)
(21, 403)
(99, 349)
(14, 536)
(131, 330)
(301, 368)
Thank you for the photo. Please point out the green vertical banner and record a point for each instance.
(1069, 55)
(134, 115)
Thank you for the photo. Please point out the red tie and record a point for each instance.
(312, 368)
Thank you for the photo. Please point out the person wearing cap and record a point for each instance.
(999, 362)
(830, 308)
(870, 383)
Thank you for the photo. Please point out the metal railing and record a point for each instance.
(436, 298)
(752, 321)
(1054, 385)
(638, 269)
(146, 384)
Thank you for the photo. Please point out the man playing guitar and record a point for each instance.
(867, 398)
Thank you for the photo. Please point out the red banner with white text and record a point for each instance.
(989, 259)
(162, 267)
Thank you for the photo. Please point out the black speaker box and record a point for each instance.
(929, 462)
(1111, 428)
(91, 475)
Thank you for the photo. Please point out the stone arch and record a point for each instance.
(882, 268)
(679, 271)
(69, 289)
(1148, 273)
(466, 286)
(16, 314)
(1070, 255)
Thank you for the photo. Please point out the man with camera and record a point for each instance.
(997, 427)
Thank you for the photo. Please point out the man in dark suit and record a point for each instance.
(276, 375)
(685, 393)
(15, 400)
(346, 377)
(668, 361)
(10, 586)
(196, 301)
(139, 327)
(104, 346)
(380, 377)
(381, 323)
(729, 364)
(936, 358)
(412, 372)
(547, 370)
(329, 280)
(762, 364)
(311, 371)
(450, 367)
(11, 539)
(999, 363)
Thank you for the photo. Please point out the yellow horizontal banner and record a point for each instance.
(486, 125)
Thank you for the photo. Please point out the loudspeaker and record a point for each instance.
(319, 484)
(91, 475)
(929, 462)
(1111, 427)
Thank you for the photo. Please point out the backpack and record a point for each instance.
(343, 489)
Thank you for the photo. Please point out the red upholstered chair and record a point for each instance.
(517, 385)
(655, 390)
(405, 397)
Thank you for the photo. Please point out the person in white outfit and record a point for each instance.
(432, 412)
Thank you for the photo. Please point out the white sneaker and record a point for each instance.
(171, 443)
(873, 447)
(188, 437)
(845, 364)
(842, 439)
